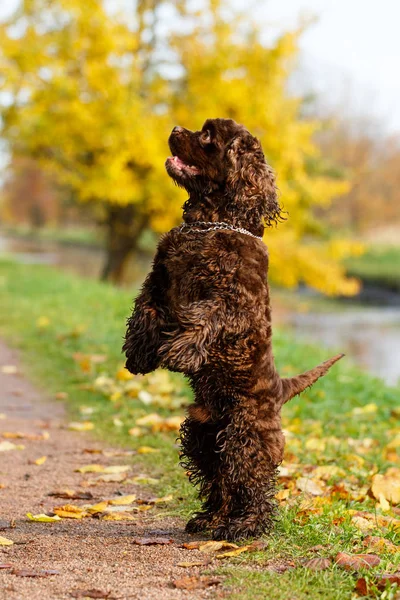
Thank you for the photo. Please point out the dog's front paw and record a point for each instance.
(199, 523)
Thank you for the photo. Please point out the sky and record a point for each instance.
(351, 54)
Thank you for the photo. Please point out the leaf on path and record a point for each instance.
(196, 563)
(5, 541)
(90, 469)
(156, 541)
(119, 516)
(6, 446)
(18, 435)
(317, 564)
(108, 478)
(93, 593)
(70, 511)
(9, 369)
(364, 587)
(31, 573)
(380, 544)
(40, 461)
(96, 508)
(147, 450)
(42, 518)
(211, 547)
(114, 453)
(117, 469)
(81, 426)
(355, 562)
(6, 566)
(196, 583)
(387, 486)
(159, 500)
(71, 495)
(122, 500)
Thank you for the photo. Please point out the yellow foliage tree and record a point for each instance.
(94, 97)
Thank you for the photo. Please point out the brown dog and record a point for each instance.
(204, 311)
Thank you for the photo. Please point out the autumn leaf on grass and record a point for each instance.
(70, 511)
(326, 472)
(355, 562)
(5, 541)
(378, 582)
(147, 450)
(123, 375)
(142, 480)
(232, 553)
(317, 564)
(309, 486)
(381, 545)
(368, 409)
(81, 426)
(42, 518)
(7, 446)
(42, 322)
(387, 486)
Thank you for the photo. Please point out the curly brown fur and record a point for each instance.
(204, 310)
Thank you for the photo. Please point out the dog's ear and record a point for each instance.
(251, 182)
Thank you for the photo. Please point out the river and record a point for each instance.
(369, 335)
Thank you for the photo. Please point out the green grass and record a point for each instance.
(51, 316)
(380, 265)
(81, 236)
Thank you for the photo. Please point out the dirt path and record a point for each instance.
(87, 554)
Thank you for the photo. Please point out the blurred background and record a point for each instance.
(89, 92)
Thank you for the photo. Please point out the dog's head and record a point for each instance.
(224, 157)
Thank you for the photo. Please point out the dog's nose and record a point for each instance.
(178, 129)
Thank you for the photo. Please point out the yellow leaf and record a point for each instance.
(6, 446)
(387, 486)
(149, 420)
(325, 472)
(81, 426)
(5, 542)
(316, 444)
(142, 480)
(135, 432)
(211, 547)
(117, 469)
(9, 369)
(95, 508)
(235, 552)
(147, 450)
(94, 468)
(381, 545)
(282, 495)
(69, 511)
(121, 516)
(108, 478)
(123, 500)
(365, 410)
(42, 518)
(309, 486)
(40, 461)
(123, 375)
(42, 322)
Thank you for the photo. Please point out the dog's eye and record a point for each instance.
(206, 137)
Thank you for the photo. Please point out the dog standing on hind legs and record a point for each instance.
(204, 311)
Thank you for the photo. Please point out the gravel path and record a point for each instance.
(88, 554)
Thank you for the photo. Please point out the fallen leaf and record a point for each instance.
(147, 450)
(5, 541)
(379, 581)
(9, 369)
(309, 486)
(29, 573)
(108, 478)
(196, 563)
(123, 500)
(211, 547)
(387, 486)
(6, 566)
(142, 480)
(195, 583)
(90, 469)
(365, 410)
(71, 495)
(96, 508)
(160, 500)
(113, 453)
(355, 562)
(156, 541)
(318, 564)
(326, 472)
(42, 322)
(40, 461)
(136, 431)
(17, 435)
(69, 511)
(42, 518)
(119, 516)
(235, 552)
(380, 544)
(81, 426)
(6, 446)
(117, 469)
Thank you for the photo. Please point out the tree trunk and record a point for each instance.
(124, 227)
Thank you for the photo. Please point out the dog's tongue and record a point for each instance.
(178, 162)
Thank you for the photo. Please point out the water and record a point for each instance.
(369, 336)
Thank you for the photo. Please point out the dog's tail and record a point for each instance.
(291, 386)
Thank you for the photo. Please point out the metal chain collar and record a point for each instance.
(217, 226)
